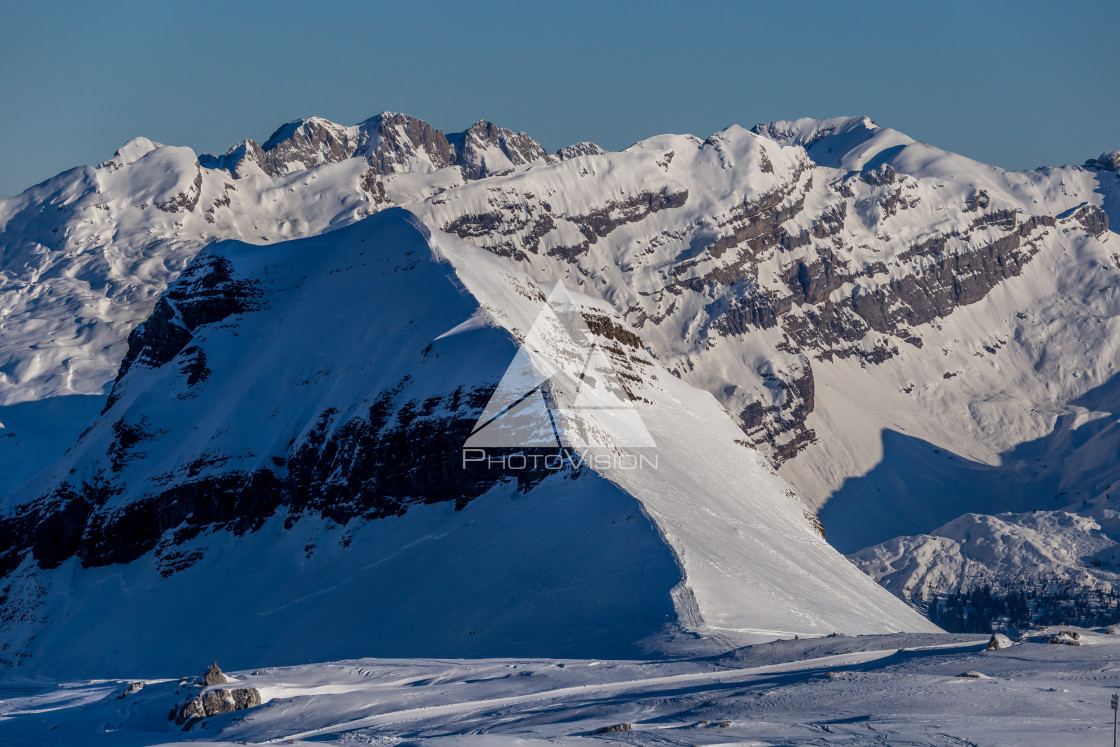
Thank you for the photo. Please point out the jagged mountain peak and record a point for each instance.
(391, 142)
(1109, 161)
(306, 128)
(300, 144)
(485, 149)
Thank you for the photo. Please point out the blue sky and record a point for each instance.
(1016, 84)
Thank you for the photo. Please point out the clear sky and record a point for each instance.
(1018, 84)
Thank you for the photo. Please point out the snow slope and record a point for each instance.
(753, 563)
(33, 434)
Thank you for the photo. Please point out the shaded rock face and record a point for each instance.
(1092, 218)
(214, 703)
(52, 530)
(398, 453)
(131, 689)
(204, 294)
(1109, 161)
(401, 452)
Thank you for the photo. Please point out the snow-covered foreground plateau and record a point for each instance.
(903, 689)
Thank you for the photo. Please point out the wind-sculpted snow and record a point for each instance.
(886, 689)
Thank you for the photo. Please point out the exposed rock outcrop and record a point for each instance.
(204, 294)
(390, 143)
(214, 676)
(131, 689)
(579, 149)
(1109, 161)
(484, 149)
(214, 703)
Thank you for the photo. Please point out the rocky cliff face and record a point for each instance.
(390, 143)
(400, 445)
(484, 149)
(734, 239)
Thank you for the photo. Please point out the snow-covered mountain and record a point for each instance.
(910, 335)
(1012, 570)
(284, 443)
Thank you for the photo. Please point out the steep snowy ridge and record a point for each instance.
(310, 387)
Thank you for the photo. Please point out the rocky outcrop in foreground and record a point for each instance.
(213, 702)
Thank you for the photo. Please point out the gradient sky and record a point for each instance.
(1018, 84)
